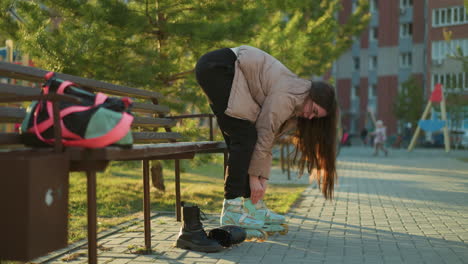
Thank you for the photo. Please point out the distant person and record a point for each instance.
(364, 133)
(345, 139)
(380, 135)
(407, 133)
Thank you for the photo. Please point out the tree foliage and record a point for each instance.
(306, 35)
(154, 44)
(409, 103)
(457, 103)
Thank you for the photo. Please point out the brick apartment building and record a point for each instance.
(404, 39)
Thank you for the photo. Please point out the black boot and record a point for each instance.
(228, 235)
(192, 235)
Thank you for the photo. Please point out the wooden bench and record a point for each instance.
(150, 144)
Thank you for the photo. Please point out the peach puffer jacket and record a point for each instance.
(268, 94)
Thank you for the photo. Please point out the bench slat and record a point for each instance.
(12, 114)
(13, 89)
(138, 137)
(16, 115)
(10, 139)
(153, 137)
(137, 152)
(15, 71)
(153, 122)
(150, 108)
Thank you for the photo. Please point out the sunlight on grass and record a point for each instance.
(120, 194)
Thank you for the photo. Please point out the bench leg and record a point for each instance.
(146, 204)
(177, 190)
(92, 217)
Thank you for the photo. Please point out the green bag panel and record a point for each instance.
(29, 115)
(102, 122)
(127, 140)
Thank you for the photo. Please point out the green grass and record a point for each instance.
(120, 192)
(463, 159)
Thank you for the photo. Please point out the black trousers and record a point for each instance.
(215, 72)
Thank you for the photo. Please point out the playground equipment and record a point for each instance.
(433, 124)
(372, 116)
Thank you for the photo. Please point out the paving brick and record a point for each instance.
(119, 261)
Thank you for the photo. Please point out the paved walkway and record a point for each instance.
(404, 208)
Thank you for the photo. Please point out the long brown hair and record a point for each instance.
(315, 139)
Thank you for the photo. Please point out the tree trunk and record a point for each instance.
(157, 176)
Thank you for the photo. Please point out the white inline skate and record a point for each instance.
(274, 223)
(234, 213)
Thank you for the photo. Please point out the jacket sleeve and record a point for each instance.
(276, 110)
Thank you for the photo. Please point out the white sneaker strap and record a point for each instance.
(242, 218)
(234, 202)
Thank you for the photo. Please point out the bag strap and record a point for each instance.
(100, 99)
(114, 135)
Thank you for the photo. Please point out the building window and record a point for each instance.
(406, 30)
(356, 91)
(453, 82)
(461, 80)
(373, 90)
(465, 86)
(374, 34)
(435, 17)
(356, 62)
(442, 16)
(449, 16)
(442, 49)
(373, 6)
(406, 3)
(448, 81)
(372, 62)
(406, 60)
(463, 17)
(354, 6)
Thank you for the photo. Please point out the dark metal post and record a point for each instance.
(211, 128)
(57, 127)
(146, 204)
(177, 189)
(92, 217)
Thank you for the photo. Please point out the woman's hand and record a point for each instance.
(264, 183)
(257, 189)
